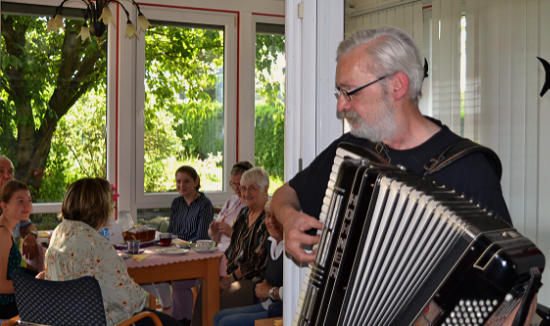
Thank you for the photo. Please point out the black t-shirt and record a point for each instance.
(471, 175)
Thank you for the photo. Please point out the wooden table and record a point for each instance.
(160, 268)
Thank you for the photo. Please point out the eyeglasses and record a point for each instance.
(234, 185)
(249, 188)
(348, 94)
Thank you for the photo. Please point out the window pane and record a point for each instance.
(184, 105)
(157, 218)
(53, 103)
(270, 104)
(45, 221)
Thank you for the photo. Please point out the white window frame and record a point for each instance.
(228, 21)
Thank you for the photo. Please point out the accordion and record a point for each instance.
(398, 249)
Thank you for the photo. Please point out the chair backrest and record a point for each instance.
(74, 302)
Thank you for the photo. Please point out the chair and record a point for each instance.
(73, 302)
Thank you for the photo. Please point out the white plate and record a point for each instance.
(172, 251)
(205, 250)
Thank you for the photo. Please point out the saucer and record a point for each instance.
(172, 251)
(205, 250)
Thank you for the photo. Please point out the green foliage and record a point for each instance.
(181, 63)
(269, 48)
(269, 139)
(200, 128)
(269, 131)
(78, 146)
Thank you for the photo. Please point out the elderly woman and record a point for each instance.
(270, 290)
(77, 249)
(246, 255)
(15, 201)
(221, 229)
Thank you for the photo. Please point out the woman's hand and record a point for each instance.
(213, 231)
(262, 290)
(225, 282)
(225, 228)
(41, 275)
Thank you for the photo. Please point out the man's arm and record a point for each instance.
(287, 210)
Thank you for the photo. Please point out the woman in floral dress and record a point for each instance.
(77, 249)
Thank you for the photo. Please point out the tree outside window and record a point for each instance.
(52, 103)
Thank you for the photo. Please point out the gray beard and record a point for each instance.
(381, 130)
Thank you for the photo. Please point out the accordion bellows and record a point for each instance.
(397, 249)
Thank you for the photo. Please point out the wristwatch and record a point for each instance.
(272, 293)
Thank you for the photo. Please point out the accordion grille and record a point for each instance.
(408, 234)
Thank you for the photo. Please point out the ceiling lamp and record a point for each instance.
(97, 15)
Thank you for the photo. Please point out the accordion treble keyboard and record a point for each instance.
(394, 244)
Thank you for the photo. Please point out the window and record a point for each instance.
(184, 106)
(270, 101)
(189, 102)
(52, 101)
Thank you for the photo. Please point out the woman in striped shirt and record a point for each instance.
(192, 212)
(190, 215)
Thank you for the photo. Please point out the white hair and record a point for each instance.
(257, 175)
(393, 51)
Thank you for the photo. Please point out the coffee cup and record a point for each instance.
(205, 244)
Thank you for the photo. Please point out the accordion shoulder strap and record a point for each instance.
(459, 149)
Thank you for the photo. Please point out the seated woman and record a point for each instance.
(270, 291)
(77, 249)
(246, 255)
(192, 212)
(190, 215)
(15, 201)
(221, 229)
(32, 252)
